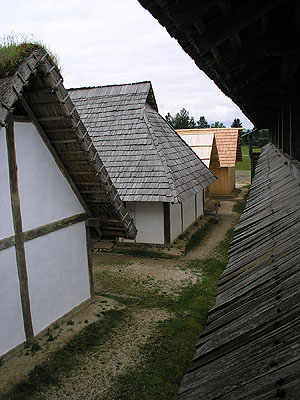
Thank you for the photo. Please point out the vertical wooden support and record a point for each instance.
(90, 261)
(295, 122)
(167, 223)
(286, 126)
(290, 126)
(19, 238)
(181, 210)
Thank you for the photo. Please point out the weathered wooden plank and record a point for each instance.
(90, 261)
(17, 222)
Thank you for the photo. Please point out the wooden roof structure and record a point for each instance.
(36, 91)
(203, 145)
(146, 159)
(250, 50)
(227, 142)
(250, 348)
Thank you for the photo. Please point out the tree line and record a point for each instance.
(183, 120)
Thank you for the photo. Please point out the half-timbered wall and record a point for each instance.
(45, 194)
(149, 219)
(56, 262)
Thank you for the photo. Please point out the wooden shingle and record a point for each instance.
(138, 147)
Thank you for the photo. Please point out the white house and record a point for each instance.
(158, 176)
(55, 192)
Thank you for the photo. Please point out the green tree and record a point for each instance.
(217, 124)
(236, 123)
(183, 120)
(202, 123)
(169, 119)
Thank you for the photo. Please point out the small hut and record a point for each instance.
(55, 193)
(223, 160)
(156, 173)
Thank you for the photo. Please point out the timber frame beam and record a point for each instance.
(19, 237)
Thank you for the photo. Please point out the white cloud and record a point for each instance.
(108, 42)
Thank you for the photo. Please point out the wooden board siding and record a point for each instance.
(225, 183)
(250, 347)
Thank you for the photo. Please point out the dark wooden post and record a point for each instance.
(286, 127)
(295, 122)
(167, 224)
(19, 237)
(90, 260)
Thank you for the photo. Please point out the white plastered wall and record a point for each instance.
(175, 220)
(57, 283)
(199, 202)
(189, 212)
(6, 224)
(11, 325)
(148, 218)
(182, 215)
(57, 263)
(38, 174)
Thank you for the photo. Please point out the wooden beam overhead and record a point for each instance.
(240, 18)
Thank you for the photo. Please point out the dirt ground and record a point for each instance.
(122, 351)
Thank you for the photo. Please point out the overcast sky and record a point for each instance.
(101, 42)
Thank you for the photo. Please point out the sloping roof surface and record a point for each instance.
(227, 140)
(250, 348)
(201, 144)
(38, 83)
(145, 157)
(229, 146)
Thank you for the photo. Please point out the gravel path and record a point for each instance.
(122, 351)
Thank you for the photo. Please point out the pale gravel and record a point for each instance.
(116, 356)
(122, 351)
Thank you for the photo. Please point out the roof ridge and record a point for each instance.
(111, 85)
(39, 60)
(160, 154)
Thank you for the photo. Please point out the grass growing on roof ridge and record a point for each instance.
(14, 49)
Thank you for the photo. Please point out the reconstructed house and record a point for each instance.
(158, 176)
(223, 160)
(250, 348)
(55, 193)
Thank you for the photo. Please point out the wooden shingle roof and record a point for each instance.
(144, 156)
(250, 347)
(227, 141)
(36, 89)
(204, 145)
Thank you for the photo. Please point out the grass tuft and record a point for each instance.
(68, 357)
(198, 236)
(168, 353)
(14, 49)
(240, 205)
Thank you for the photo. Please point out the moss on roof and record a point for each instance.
(13, 53)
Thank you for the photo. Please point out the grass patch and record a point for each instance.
(245, 165)
(240, 205)
(169, 352)
(198, 236)
(14, 49)
(145, 253)
(68, 357)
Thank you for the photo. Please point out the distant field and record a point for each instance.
(245, 164)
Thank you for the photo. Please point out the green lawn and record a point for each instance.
(245, 164)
